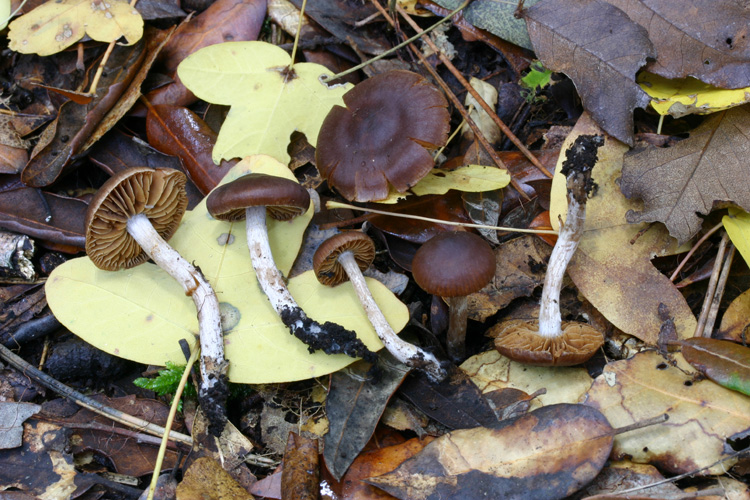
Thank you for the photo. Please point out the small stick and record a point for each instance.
(296, 37)
(692, 250)
(659, 419)
(702, 318)
(719, 293)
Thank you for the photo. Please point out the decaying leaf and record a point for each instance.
(702, 415)
(724, 362)
(600, 49)
(736, 319)
(205, 478)
(491, 371)
(687, 179)
(153, 313)
(471, 178)
(689, 96)
(268, 102)
(12, 416)
(615, 275)
(53, 26)
(299, 479)
(548, 453)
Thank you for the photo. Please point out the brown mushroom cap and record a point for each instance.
(159, 194)
(325, 261)
(381, 135)
(454, 264)
(283, 198)
(519, 340)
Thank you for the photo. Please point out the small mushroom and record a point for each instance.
(250, 197)
(381, 137)
(347, 255)
(549, 341)
(128, 221)
(453, 265)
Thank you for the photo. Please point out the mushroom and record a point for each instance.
(453, 265)
(382, 136)
(250, 197)
(548, 341)
(348, 254)
(128, 221)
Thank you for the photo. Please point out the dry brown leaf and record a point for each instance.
(736, 319)
(615, 275)
(206, 479)
(299, 478)
(678, 183)
(702, 414)
(600, 49)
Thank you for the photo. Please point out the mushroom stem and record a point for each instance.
(455, 339)
(213, 364)
(312, 333)
(403, 351)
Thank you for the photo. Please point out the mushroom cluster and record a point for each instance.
(127, 223)
(251, 197)
(549, 341)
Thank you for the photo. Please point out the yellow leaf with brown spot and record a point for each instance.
(58, 24)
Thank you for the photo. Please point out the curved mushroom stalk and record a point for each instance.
(328, 337)
(406, 353)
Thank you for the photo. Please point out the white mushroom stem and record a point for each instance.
(406, 353)
(550, 320)
(213, 365)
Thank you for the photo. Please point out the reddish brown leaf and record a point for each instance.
(724, 362)
(600, 49)
(177, 131)
(548, 453)
(12, 160)
(299, 478)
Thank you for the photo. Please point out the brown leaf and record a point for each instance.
(206, 479)
(12, 160)
(677, 183)
(705, 39)
(724, 362)
(548, 453)
(178, 131)
(299, 479)
(736, 319)
(354, 406)
(702, 415)
(600, 49)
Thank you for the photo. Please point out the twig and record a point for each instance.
(692, 250)
(702, 318)
(713, 311)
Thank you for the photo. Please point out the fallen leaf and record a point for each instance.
(482, 119)
(691, 42)
(600, 49)
(678, 183)
(491, 371)
(471, 178)
(687, 96)
(153, 313)
(4, 13)
(267, 104)
(615, 275)
(12, 159)
(619, 476)
(484, 208)
(724, 362)
(205, 478)
(54, 26)
(13, 415)
(549, 453)
(736, 319)
(737, 225)
(299, 478)
(702, 415)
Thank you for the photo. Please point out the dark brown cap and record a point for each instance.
(454, 264)
(520, 341)
(283, 198)
(382, 136)
(159, 194)
(325, 261)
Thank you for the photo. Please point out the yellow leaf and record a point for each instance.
(267, 103)
(737, 224)
(147, 313)
(686, 96)
(4, 13)
(472, 179)
(615, 275)
(58, 24)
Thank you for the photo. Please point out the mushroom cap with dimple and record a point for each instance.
(283, 198)
(326, 259)
(159, 194)
(454, 264)
(520, 341)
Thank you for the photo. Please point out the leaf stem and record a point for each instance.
(336, 204)
(297, 35)
(326, 78)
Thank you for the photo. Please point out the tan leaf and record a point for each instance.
(736, 319)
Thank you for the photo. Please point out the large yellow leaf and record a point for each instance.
(58, 24)
(686, 96)
(267, 102)
(615, 275)
(141, 313)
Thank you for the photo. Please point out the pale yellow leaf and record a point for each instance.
(141, 313)
(267, 102)
(686, 96)
(471, 178)
(737, 224)
(58, 24)
(4, 13)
